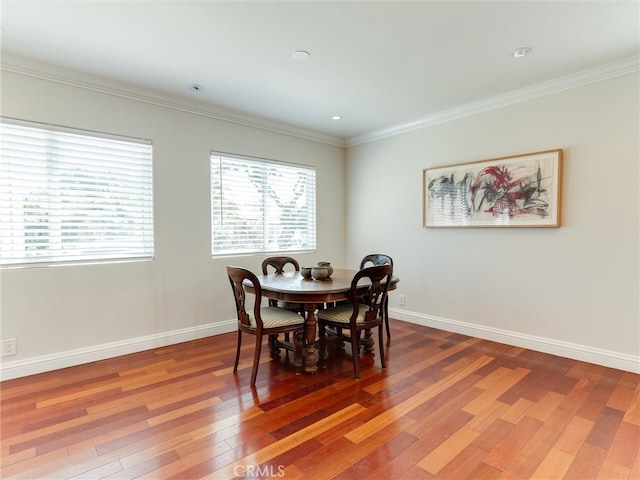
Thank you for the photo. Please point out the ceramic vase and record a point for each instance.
(328, 266)
(319, 273)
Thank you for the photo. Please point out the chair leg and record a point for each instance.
(256, 359)
(298, 343)
(355, 353)
(382, 359)
(386, 317)
(322, 338)
(235, 365)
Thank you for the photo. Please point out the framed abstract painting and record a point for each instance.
(519, 191)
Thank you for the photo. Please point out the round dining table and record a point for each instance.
(291, 287)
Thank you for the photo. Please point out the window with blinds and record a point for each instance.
(261, 206)
(73, 196)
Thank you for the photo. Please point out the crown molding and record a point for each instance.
(585, 77)
(53, 73)
(32, 68)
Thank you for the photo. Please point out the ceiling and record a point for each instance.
(377, 64)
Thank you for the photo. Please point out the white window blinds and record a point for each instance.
(261, 206)
(70, 196)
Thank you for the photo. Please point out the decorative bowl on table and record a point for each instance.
(319, 273)
(328, 266)
(306, 272)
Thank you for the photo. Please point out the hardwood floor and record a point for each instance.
(448, 406)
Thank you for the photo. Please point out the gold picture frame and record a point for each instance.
(517, 191)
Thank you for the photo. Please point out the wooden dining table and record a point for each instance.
(291, 287)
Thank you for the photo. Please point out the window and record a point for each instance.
(261, 206)
(71, 196)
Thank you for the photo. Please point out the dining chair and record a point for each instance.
(279, 264)
(380, 259)
(365, 312)
(262, 321)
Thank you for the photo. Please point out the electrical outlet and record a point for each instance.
(401, 300)
(9, 347)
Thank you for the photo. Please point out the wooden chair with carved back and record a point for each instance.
(364, 312)
(280, 265)
(380, 259)
(261, 321)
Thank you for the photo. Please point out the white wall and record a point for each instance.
(66, 315)
(572, 290)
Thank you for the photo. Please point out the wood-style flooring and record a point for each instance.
(448, 407)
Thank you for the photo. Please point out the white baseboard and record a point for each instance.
(46, 363)
(574, 351)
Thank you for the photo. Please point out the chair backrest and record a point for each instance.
(376, 294)
(279, 263)
(237, 276)
(376, 259)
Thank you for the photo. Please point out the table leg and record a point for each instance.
(310, 356)
(273, 346)
(367, 342)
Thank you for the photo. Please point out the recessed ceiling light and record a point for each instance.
(521, 52)
(301, 55)
(337, 117)
(194, 87)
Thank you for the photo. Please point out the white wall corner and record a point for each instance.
(578, 79)
(47, 363)
(574, 351)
